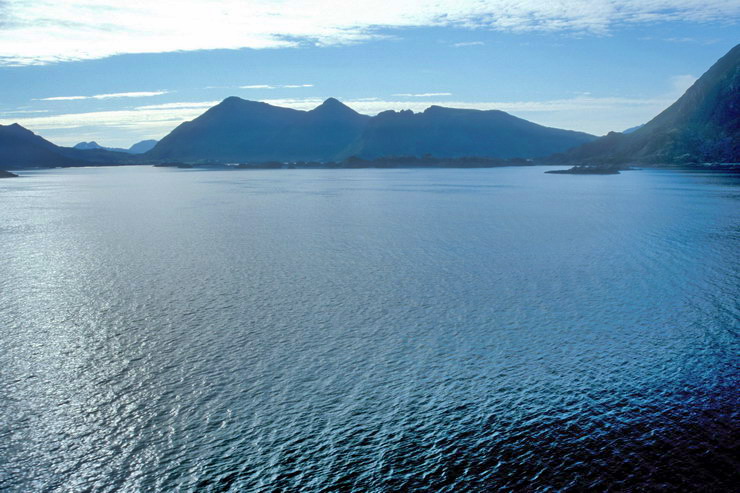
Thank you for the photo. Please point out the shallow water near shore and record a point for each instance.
(368, 330)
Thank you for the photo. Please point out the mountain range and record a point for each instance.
(138, 148)
(240, 130)
(702, 126)
(21, 148)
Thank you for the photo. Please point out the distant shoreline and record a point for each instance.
(420, 164)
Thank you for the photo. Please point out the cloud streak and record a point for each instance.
(106, 96)
(468, 43)
(49, 31)
(283, 86)
(21, 112)
(423, 94)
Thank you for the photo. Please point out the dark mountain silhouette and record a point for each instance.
(138, 148)
(450, 132)
(84, 146)
(21, 148)
(142, 147)
(241, 130)
(702, 126)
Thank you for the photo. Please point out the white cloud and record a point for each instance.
(144, 94)
(106, 96)
(163, 118)
(21, 112)
(47, 31)
(268, 86)
(423, 94)
(180, 105)
(63, 98)
(468, 43)
(681, 40)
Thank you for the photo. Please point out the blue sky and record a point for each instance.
(95, 70)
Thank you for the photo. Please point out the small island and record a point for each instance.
(7, 174)
(586, 170)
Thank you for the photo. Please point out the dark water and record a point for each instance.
(368, 330)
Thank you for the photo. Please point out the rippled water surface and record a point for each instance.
(368, 330)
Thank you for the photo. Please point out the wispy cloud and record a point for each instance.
(161, 118)
(106, 96)
(49, 31)
(21, 112)
(468, 43)
(179, 106)
(268, 86)
(64, 98)
(682, 39)
(423, 94)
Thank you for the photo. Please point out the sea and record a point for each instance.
(369, 330)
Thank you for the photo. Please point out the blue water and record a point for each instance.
(368, 330)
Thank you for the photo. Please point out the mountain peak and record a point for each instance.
(142, 147)
(333, 106)
(88, 145)
(232, 100)
(17, 129)
(19, 147)
(235, 102)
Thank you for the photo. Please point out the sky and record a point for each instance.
(119, 72)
